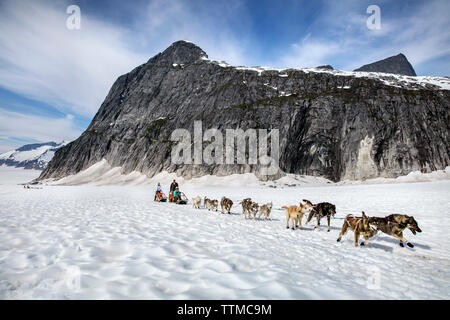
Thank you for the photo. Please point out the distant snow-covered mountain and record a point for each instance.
(31, 156)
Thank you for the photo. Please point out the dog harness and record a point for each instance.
(401, 225)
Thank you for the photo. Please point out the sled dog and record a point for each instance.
(360, 226)
(226, 204)
(210, 204)
(295, 214)
(320, 210)
(394, 225)
(196, 202)
(246, 206)
(265, 209)
(249, 207)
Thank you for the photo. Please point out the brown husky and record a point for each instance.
(360, 226)
(248, 207)
(394, 225)
(210, 204)
(225, 204)
(295, 214)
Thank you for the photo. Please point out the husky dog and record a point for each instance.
(394, 225)
(360, 226)
(205, 202)
(249, 207)
(245, 206)
(214, 204)
(210, 204)
(295, 214)
(265, 209)
(253, 209)
(323, 209)
(226, 204)
(196, 202)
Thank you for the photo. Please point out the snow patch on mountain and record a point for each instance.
(31, 156)
(389, 79)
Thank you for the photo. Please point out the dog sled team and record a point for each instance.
(175, 195)
(364, 226)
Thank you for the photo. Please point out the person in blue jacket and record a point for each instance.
(176, 194)
(158, 193)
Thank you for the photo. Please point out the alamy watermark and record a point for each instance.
(72, 279)
(373, 281)
(239, 147)
(374, 21)
(73, 22)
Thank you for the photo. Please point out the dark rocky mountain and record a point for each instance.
(325, 67)
(398, 64)
(332, 124)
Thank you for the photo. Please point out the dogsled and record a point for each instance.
(160, 197)
(182, 199)
(178, 197)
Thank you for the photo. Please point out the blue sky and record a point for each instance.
(53, 80)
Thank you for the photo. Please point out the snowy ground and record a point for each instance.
(114, 242)
(12, 175)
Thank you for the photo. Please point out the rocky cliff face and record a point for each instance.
(398, 64)
(339, 125)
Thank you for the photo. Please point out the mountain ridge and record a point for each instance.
(329, 120)
(31, 156)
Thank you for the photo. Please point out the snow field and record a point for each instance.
(88, 242)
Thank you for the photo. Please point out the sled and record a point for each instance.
(183, 200)
(162, 198)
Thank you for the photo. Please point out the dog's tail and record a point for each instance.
(347, 217)
(310, 215)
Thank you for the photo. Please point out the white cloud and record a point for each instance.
(69, 69)
(24, 127)
(309, 53)
(212, 27)
(422, 34)
(73, 70)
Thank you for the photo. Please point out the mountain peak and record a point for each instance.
(181, 52)
(31, 156)
(398, 64)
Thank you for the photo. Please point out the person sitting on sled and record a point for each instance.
(158, 194)
(176, 195)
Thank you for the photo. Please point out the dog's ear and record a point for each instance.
(364, 215)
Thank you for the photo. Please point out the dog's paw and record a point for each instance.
(338, 240)
(362, 244)
(401, 244)
(328, 230)
(410, 245)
